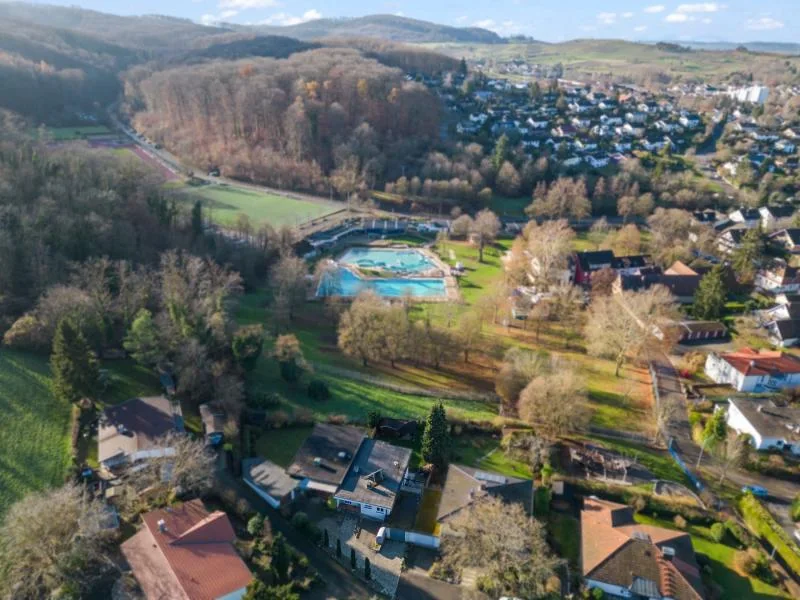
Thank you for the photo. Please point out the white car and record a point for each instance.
(797, 534)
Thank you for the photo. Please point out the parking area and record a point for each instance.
(359, 535)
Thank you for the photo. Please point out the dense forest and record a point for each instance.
(291, 122)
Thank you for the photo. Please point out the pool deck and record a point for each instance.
(451, 291)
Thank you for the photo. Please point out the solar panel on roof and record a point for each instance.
(491, 477)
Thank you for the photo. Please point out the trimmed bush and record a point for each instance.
(717, 532)
(318, 390)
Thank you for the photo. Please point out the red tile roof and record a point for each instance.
(191, 557)
(616, 549)
(753, 362)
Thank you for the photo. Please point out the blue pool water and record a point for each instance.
(398, 261)
(343, 282)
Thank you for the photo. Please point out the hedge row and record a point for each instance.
(760, 521)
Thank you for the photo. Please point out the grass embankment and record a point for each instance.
(720, 557)
(225, 203)
(761, 522)
(35, 435)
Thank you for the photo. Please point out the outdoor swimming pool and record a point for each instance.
(345, 282)
(390, 259)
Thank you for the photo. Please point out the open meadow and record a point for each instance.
(225, 203)
(78, 132)
(34, 438)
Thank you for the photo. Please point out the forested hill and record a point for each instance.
(150, 33)
(386, 27)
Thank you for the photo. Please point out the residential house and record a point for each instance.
(749, 370)
(749, 217)
(636, 131)
(784, 298)
(778, 278)
(587, 263)
(466, 485)
(784, 333)
(690, 121)
(129, 432)
(730, 240)
(626, 559)
(564, 131)
(781, 312)
(637, 118)
(785, 146)
(323, 461)
(270, 481)
(374, 479)
(683, 287)
(774, 216)
(186, 553)
(789, 239)
(540, 124)
(771, 426)
(597, 162)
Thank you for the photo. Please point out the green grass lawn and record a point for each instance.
(510, 207)
(565, 536)
(720, 556)
(280, 445)
(78, 132)
(34, 437)
(479, 275)
(355, 399)
(225, 203)
(485, 452)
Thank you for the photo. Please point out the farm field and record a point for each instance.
(225, 203)
(720, 557)
(34, 438)
(35, 452)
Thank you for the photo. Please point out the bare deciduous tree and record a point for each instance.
(733, 453)
(625, 324)
(485, 228)
(549, 246)
(555, 402)
(53, 540)
(501, 539)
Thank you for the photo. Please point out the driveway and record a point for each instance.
(339, 582)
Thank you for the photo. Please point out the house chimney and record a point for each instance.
(162, 525)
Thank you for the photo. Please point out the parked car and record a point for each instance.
(756, 490)
(797, 534)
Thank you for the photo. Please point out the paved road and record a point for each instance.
(782, 492)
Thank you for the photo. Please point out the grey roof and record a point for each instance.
(464, 485)
(135, 425)
(268, 476)
(383, 466)
(325, 443)
(769, 419)
(213, 418)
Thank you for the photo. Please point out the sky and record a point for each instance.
(549, 20)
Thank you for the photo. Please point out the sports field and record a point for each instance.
(225, 203)
(79, 132)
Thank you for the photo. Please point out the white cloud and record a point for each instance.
(243, 4)
(461, 19)
(627, 15)
(677, 18)
(640, 28)
(211, 20)
(655, 8)
(227, 14)
(607, 18)
(285, 20)
(764, 24)
(707, 21)
(702, 7)
(503, 28)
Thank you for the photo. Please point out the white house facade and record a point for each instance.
(770, 427)
(751, 371)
